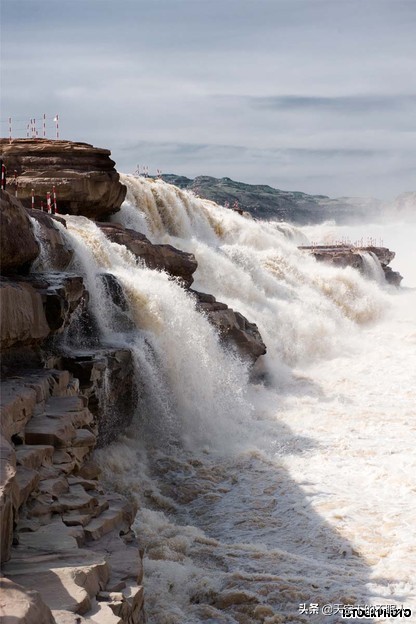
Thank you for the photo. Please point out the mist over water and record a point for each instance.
(255, 497)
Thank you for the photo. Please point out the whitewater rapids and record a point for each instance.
(256, 498)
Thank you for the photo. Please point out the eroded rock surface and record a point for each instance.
(161, 257)
(84, 176)
(58, 253)
(345, 255)
(233, 327)
(18, 245)
(62, 534)
(33, 308)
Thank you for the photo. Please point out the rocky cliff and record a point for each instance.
(84, 176)
(68, 553)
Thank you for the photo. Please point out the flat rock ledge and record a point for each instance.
(68, 553)
(84, 176)
(346, 255)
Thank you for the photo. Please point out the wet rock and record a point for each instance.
(59, 254)
(107, 378)
(18, 245)
(84, 176)
(234, 329)
(345, 255)
(160, 257)
(33, 308)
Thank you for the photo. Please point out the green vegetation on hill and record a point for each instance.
(266, 202)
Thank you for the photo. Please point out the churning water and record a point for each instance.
(256, 498)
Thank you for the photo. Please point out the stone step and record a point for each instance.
(55, 486)
(57, 432)
(26, 482)
(76, 499)
(66, 580)
(34, 456)
(83, 438)
(52, 537)
(106, 522)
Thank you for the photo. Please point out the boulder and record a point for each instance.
(18, 245)
(33, 308)
(234, 329)
(19, 604)
(160, 257)
(84, 176)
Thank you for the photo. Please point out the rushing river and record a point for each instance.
(259, 500)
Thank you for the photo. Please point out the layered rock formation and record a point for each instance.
(161, 257)
(345, 255)
(18, 246)
(84, 176)
(63, 536)
(233, 327)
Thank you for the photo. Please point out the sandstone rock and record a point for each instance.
(107, 379)
(234, 329)
(66, 579)
(161, 257)
(18, 246)
(32, 309)
(34, 456)
(23, 319)
(7, 497)
(57, 251)
(345, 255)
(19, 605)
(84, 176)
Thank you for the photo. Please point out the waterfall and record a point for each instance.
(372, 267)
(255, 498)
(186, 372)
(304, 310)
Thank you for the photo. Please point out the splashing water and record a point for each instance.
(253, 499)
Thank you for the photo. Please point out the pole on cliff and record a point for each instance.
(56, 120)
(44, 126)
(48, 202)
(10, 129)
(33, 199)
(3, 176)
(55, 211)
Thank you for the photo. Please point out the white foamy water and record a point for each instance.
(257, 498)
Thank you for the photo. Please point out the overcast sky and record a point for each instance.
(310, 95)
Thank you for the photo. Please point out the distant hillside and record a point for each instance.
(266, 202)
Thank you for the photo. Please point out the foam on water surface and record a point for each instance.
(255, 498)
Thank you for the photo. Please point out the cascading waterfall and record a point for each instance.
(254, 499)
(372, 267)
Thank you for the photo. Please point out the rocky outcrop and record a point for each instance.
(18, 245)
(56, 249)
(106, 378)
(161, 257)
(31, 309)
(62, 534)
(84, 176)
(234, 329)
(346, 255)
